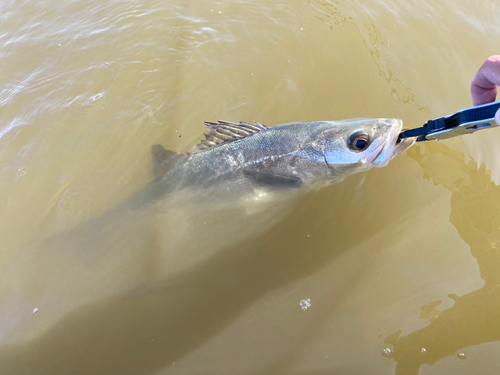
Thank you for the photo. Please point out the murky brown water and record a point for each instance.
(403, 258)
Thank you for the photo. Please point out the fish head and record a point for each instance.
(356, 145)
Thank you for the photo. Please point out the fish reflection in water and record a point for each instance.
(475, 212)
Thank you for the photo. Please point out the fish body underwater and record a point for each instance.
(238, 184)
(238, 160)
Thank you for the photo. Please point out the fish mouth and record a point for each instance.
(393, 145)
(403, 144)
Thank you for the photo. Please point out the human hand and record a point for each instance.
(484, 85)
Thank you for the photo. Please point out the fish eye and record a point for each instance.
(359, 141)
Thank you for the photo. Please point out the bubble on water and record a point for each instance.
(461, 355)
(386, 351)
(21, 172)
(423, 350)
(35, 310)
(305, 304)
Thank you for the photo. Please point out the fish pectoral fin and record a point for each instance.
(269, 179)
(164, 160)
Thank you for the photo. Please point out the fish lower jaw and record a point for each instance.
(389, 148)
(403, 145)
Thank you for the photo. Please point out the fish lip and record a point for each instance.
(403, 145)
(383, 157)
(389, 148)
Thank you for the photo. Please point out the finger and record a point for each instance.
(482, 95)
(484, 84)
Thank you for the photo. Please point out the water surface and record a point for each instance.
(403, 258)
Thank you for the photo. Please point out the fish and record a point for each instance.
(238, 159)
(251, 166)
(240, 181)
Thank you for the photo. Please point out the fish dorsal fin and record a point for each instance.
(224, 131)
(164, 160)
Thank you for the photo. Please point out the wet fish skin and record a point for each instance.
(306, 155)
